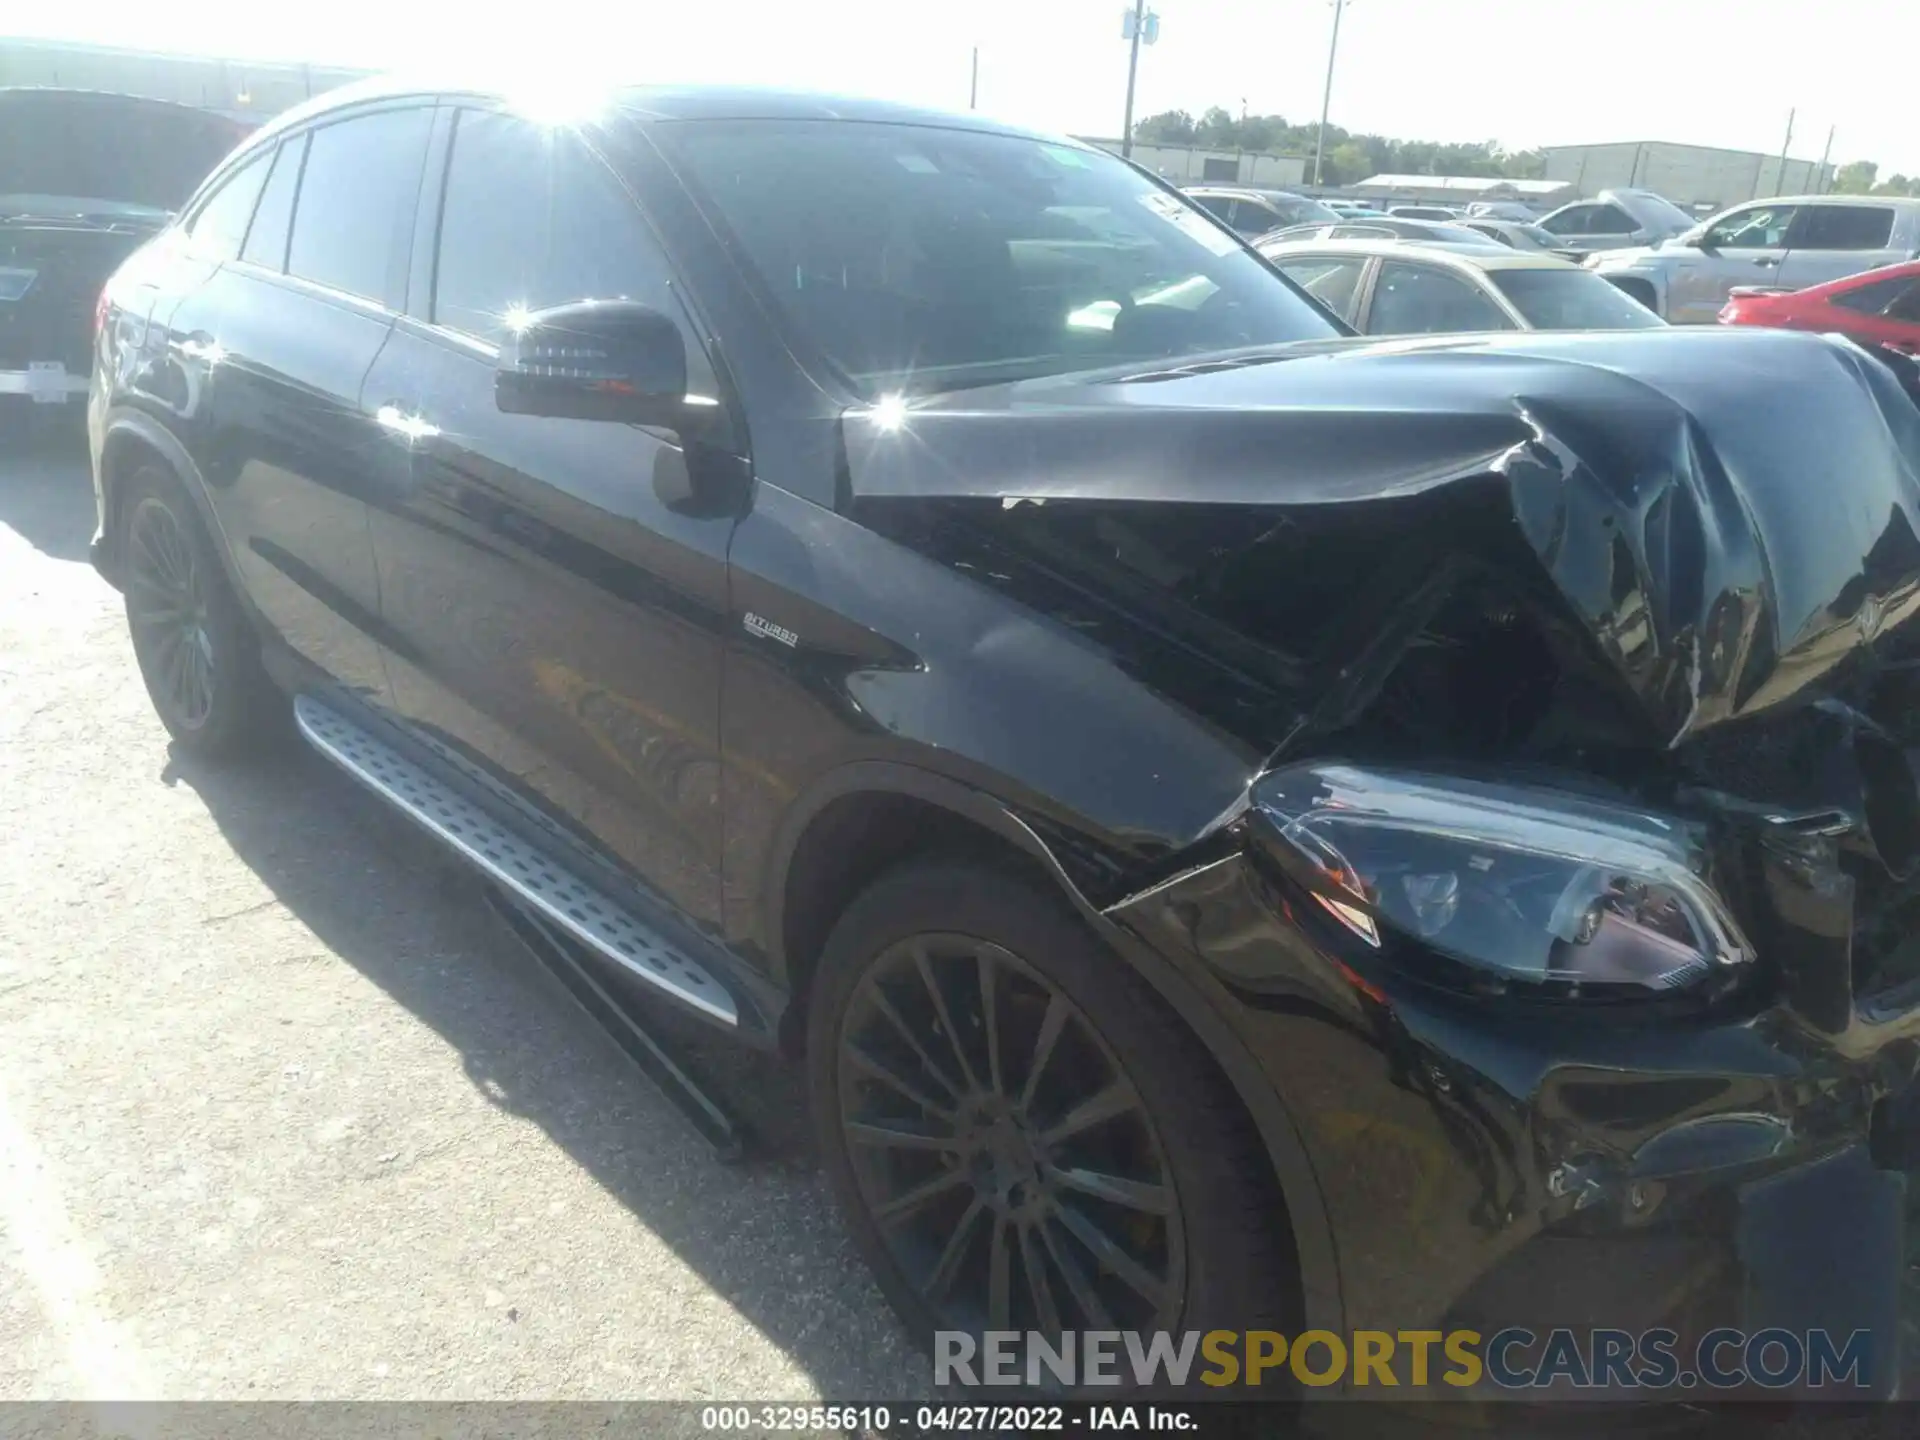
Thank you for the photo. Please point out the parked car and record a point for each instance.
(1530, 239)
(1502, 210)
(1398, 288)
(1790, 243)
(1878, 307)
(1350, 209)
(1235, 824)
(1384, 227)
(1424, 212)
(1254, 211)
(1616, 220)
(85, 178)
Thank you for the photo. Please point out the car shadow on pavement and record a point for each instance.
(45, 495)
(764, 1235)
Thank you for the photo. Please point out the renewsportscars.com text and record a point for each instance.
(1510, 1359)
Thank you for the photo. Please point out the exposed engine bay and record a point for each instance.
(1643, 586)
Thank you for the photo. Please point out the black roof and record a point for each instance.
(681, 102)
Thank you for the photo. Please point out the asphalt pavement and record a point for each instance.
(286, 1112)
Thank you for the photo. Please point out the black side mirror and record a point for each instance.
(595, 360)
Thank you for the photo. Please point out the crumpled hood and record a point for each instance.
(1731, 514)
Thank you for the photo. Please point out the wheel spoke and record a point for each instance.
(143, 542)
(1033, 1261)
(1134, 1194)
(868, 1065)
(202, 677)
(898, 1135)
(1091, 1308)
(1050, 1026)
(924, 964)
(940, 1278)
(885, 1007)
(908, 1201)
(1000, 1279)
(987, 967)
(1117, 1099)
(178, 670)
(1112, 1258)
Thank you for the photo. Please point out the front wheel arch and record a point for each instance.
(955, 815)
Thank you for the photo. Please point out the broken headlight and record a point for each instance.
(1524, 884)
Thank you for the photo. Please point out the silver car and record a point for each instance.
(1787, 243)
(1384, 287)
(1616, 220)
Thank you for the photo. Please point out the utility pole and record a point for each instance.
(1326, 96)
(973, 89)
(1138, 24)
(1820, 175)
(1780, 175)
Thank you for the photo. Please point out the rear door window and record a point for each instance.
(220, 223)
(1328, 280)
(273, 218)
(1419, 300)
(354, 216)
(1844, 227)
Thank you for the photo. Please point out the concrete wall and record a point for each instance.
(1194, 165)
(1688, 175)
(242, 87)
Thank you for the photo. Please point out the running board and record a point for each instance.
(531, 876)
(649, 1053)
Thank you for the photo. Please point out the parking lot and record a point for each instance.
(285, 1113)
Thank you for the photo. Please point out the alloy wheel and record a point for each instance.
(1000, 1148)
(167, 607)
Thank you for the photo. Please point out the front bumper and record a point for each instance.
(1551, 1170)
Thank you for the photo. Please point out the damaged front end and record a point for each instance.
(1575, 914)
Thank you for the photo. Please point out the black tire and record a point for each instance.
(1221, 1251)
(197, 654)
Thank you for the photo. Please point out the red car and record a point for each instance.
(1876, 307)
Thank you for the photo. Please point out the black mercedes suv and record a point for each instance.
(1240, 827)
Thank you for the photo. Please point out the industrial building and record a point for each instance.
(1197, 165)
(1697, 177)
(245, 89)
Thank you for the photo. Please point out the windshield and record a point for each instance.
(1444, 234)
(108, 148)
(931, 259)
(1569, 299)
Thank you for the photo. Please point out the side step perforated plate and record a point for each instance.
(526, 872)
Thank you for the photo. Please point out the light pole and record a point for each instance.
(1138, 27)
(1326, 96)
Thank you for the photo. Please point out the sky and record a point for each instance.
(1706, 72)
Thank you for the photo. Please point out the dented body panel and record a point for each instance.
(1633, 564)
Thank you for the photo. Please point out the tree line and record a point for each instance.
(1350, 157)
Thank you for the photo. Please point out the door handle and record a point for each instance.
(405, 423)
(1765, 262)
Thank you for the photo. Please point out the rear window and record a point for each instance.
(1570, 299)
(111, 148)
(1844, 227)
